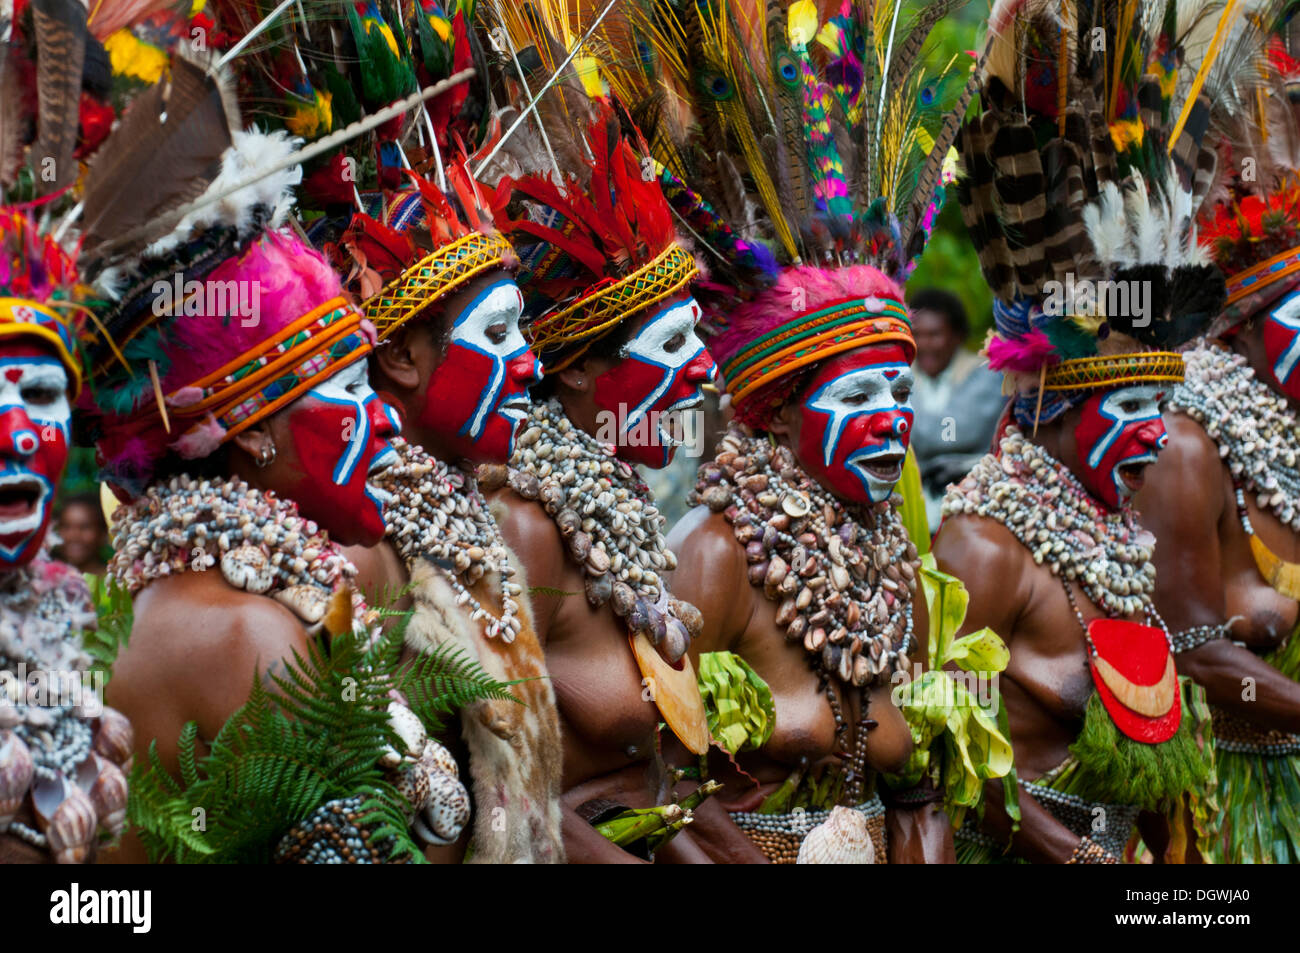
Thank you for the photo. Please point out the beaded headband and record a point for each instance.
(258, 383)
(433, 277)
(1115, 370)
(609, 304)
(20, 316)
(1254, 288)
(813, 336)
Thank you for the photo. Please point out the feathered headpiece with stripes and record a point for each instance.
(1093, 149)
(803, 144)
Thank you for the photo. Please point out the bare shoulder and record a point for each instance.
(532, 534)
(1187, 476)
(993, 564)
(381, 574)
(195, 646)
(712, 573)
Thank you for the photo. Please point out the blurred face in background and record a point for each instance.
(936, 341)
(81, 527)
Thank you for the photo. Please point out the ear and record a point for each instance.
(577, 377)
(782, 423)
(396, 360)
(256, 441)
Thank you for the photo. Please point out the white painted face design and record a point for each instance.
(490, 326)
(1121, 430)
(667, 342)
(1282, 339)
(868, 420)
(350, 388)
(35, 419)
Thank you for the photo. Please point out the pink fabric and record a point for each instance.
(800, 288)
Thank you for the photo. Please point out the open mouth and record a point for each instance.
(1132, 473)
(886, 467)
(516, 408)
(20, 502)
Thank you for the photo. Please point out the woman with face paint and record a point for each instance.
(233, 415)
(1223, 503)
(1042, 530)
(797, 557)
(452, 361)
(610, 314)
(62, 753)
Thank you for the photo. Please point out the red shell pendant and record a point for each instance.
(1136, 679)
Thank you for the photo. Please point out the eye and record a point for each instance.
(497, 333)
(675, 343)
(902, 392)
(855, 400)
(41, 394)
(1130, 406)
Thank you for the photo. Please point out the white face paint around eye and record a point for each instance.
(1125, 406)
(500, 304)
(868, 390)
(24, 380)
(668, 341)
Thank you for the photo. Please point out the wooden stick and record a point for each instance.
(1038, 411)
(158, 395)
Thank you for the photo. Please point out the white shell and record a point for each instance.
(843, 838)
(409, 729)
(247, 568)
(306, 602)
(447, 811)
(435, 756)
(16, 770)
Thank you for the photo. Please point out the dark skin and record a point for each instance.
(936, 341)
(607, 720)
(712, 573)
(1046, 685)
(197, 643)
(81, 527)
(401, 370)
(1206, 572)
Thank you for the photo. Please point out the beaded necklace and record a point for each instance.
(440, 514)
(843, 576)
(1045, 506)
(261, 543)
(1254, 428)
(609, 522)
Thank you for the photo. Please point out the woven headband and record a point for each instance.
(1254, 288)
(1115, 370)
(814, 336)
(606, 305)
(434, 276)
(19, 316)
(258, 383)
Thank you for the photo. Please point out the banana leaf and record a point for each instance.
(737, 702)
(912, 512)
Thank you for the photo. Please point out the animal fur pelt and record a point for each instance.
(514, 750)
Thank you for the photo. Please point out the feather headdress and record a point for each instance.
(804, 144)
(595, 236)
(1251, 220)
(1092, 151)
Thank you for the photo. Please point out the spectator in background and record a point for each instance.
(957, 399)
(83, 533)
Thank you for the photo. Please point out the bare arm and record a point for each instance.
(1184, 504)
(991, 562)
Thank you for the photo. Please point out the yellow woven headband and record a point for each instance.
(606, 305)
(19, 316)
(434, 276)
(1113, 370)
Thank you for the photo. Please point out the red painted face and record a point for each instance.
(340, 430)
(479, 393)
(34, 419)
(645, 401)
(1117, 438)
(1282, 344)
(856, 423)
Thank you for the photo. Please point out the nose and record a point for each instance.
(893, 424)
(1153, 434)
(701, 368)
(526, 369)
(384, 420)
(18, 435)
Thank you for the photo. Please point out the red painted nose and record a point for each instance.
(1152, 433)
(701, 368)
(525, 370)
(18, 435)
(892, 424)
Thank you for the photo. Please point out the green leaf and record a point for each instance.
(912, 512)
(737, 701)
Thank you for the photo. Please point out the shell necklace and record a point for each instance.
(1254, 427)
(262, 544)
(1045, 506)
(609, 522)
(440, 514)
(843, 577)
